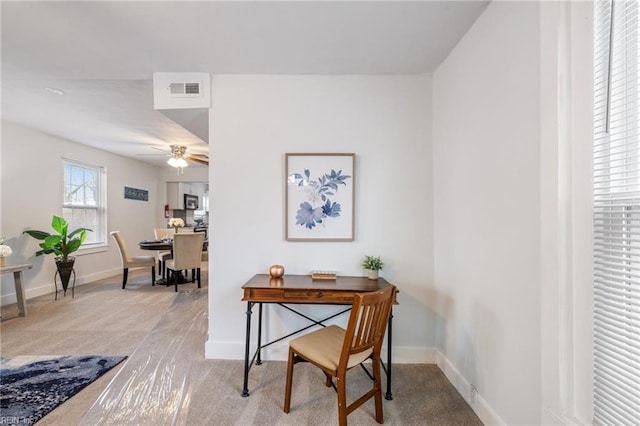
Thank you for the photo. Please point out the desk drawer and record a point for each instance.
(318, 296)
(263, 294)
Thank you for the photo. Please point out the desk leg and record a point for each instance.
(259, 359)
(22, 306)
(245, 387)
(388, 395)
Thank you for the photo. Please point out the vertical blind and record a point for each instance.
(616, 214)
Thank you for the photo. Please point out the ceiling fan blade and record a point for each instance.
(198, 160)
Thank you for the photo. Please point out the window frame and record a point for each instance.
(100, 231)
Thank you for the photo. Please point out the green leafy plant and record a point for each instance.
(372, 263)
(62, 244)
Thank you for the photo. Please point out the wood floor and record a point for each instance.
(167, 380)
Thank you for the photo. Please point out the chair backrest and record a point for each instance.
(162, 233)
(122, 246)
(367, 323)
(187, 250)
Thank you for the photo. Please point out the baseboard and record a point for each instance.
(49, 288)
(475, 400)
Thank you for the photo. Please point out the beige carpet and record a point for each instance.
(167, 380)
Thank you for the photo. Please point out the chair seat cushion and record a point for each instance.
(324, 346)
(164, 256)
(141, 261)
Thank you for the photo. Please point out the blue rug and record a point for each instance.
(32, 386)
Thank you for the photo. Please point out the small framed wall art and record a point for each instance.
(319, 197)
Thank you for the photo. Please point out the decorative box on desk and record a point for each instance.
(323, 275)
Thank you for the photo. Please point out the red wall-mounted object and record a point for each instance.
(166, 211)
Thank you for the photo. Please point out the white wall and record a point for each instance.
(487, 213)
(255, 120)
(31, 193)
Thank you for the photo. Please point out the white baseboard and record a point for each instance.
(49, 288)
(475, 400)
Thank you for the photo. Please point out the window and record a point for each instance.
(617, 214)
(83, 202)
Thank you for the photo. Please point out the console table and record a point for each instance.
(301, 289)
(17, 278)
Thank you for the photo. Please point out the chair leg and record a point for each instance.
(342, 398)
(125, 274)
(153, 275)
(175, 280)
(193, 275)
(377, 386)
(199, 279)
(287, 392)
(329, 381)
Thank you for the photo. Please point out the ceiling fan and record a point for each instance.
(178, 156)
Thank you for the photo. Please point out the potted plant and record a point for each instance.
(373, 264)
(62, 244)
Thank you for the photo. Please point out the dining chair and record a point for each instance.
(132, 261)
(163, 256)
(187, 254)
(205, 252)
(335, 350)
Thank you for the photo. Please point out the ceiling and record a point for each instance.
(102, 55)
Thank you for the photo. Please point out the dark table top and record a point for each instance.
(162, 244)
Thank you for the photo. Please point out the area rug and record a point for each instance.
(32, 386)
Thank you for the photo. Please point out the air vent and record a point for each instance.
(184, 89)
(181, 90)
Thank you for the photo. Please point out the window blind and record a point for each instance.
(616, 214)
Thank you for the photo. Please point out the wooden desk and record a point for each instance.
(301, 289)
(17, 278)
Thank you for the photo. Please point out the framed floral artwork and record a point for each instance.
(319, 197)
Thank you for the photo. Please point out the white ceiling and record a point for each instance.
(103, 54)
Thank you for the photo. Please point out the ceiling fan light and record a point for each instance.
(181, 162)
(173, 162)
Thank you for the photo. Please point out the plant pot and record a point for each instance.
(2, 261)
(372, 275)
(64, 270)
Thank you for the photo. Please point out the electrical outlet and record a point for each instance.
(472, 394)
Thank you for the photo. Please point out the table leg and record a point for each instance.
(388, 395)
(259, 359)
(245, 387)
(22, 306)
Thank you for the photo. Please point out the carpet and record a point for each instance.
(32, 386)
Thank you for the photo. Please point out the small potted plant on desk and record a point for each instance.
(62, 244)
(373, 264)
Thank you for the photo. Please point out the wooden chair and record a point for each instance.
(336, 350)
(187, 254)
(163, 256)
(132, 261)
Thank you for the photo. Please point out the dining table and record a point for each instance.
(167, 245)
